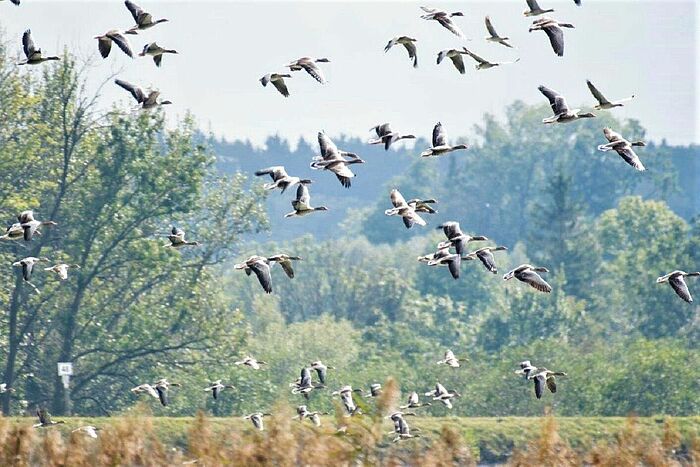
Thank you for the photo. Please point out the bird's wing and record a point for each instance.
(539, 386)
(287, 268)
(104, 45)
(597, 94)
(281, 86)
(303, 195)
(535, 280)
(532, 4)
(27, 271)
(135, 10)
(162, 395)
(458, 62)
(680, 287)
(28, 43)
(474, 56)
(122, 43)
(453, 265)
(326, 145)
(135, 91)
(262, 271)
(554, 98)
(556, 38)
(447, 22)
(397, 199)
(314, 71)
(552, 384)
(343, 173)
(412, 52)
(630, 157)
(487, 259)
(439, 134)
(490, 28)
(612, 135)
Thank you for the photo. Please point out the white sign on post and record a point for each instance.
(65, 368)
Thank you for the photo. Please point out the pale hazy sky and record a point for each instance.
(647, 48)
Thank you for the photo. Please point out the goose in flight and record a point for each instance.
(603, 103)
(485, 255)
(386, 136)
(87, 430)
(321, 370)
(30, 225)
(456, 238)
(444, 18)
(440, 145)
(554, 31)
(257, 419)
(61, 269)
(15, 232)
(455, 56)
(406, 211)
(162, 387)
(443, 395)
(155, 51)
(333, 160)
(251, 362)
(280, 178)
(528, 274)
(401, 428)
(143, 19)
(146, 101)
(443, 257)
(414, 402)
(277, 80)
(482, 64)
(375, 390)
(622, 147)
(45, 419)
(147, 389)
(303, 385)
(308, 64)
(450, 360)
(543, 377)
(676, 280)
(216, 387)
(561, 110)
(32, 54)
(27, 264)
(285, 261)
(345, 394)
(261, 267)
(177, 239)
(104, 43)
(533, 9)
(493, 35)
(408, 43)
(525, 368)
(302, 203)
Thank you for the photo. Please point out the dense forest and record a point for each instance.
(115, 181)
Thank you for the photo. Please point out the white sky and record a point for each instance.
(647, 48)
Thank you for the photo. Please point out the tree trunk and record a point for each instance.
(13, 342)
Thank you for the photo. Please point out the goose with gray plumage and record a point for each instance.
(443, 257)
(280, 178)
(529, 275)
(251, 362)
(676, 280)
(456, 238)
(623, 148)
(444, 18)
(455, 56)
(215, 387)
(554, 31)
(61, 269)
(145, 101)
(32, 54)
(408, 43)
(440, 146)
(27, 264)
(533, 9)
(143, 19)
(493, 35)
(483, 64)
(261, 267)
(603, 103)
(405, 210)
(45, 419)
(308, 64)
(443, 395)
(30, 225)
(386, 136)
(321, 370)
(334, 160)
(256, 419)
(154, 50)
(450, 360)
(485, 255)
(543, 377)
(302, 203)
(561, 110)
(414, 402)
(104, 43)
(277, 80)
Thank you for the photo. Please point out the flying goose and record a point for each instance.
(414, 402)
(440, 145)
(177, 239)
(562, 112)
(32, 54)
(146, 388)
(482, 64)
(15, 232)
(456, 238)
(528, 274)
(333, 159)
(315, 417)
(308, 64)
(375, 390)
(250, 362)
(104, 43)
(302, 412)
(533, 9)
(261, 267)
(45, 419)
(162, 387)
(303, 385)
(386, 136)
(525, 368)
(346, 398)
(493, 35)
(280, 178)
(443, 395)
(623, 147)
(603, 103)
(277, 80)
(216, 387)
(61, 269)
(450, 360)
(406, 211)
(302, 203)
(554, 31)
(321, 370)
(408, 43)
(542, 377)
(444, 18)
(485, 255)
(676, 280)
(143, 19)
(257, 419)
(454, 55)
(27, 264)
(443, 257)
(401, 428)
(285, 261)
(30, 225)
(146, 101)
(88, 430)
(155, 51)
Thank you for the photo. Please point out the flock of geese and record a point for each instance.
(449, 252)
